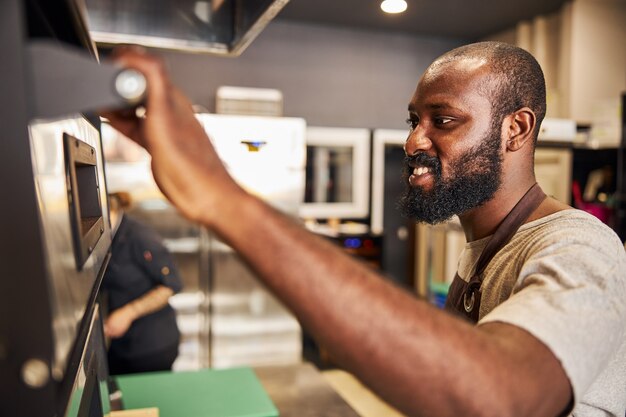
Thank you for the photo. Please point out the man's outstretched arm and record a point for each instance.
(421, 359)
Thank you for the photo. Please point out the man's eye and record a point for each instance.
(442, 120)
(412, 123)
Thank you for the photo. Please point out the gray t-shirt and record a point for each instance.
(562, 278)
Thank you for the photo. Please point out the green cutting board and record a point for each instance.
(207, 393)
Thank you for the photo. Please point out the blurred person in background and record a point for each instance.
(139, 280)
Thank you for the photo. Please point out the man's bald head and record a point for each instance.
(517, 80)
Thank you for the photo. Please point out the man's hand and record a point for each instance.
(184, 163)
(118, 323)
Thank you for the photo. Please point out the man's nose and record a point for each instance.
(417, 141)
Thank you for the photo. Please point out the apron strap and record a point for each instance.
(509, 226)
(464, 297)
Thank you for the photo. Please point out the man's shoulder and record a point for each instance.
(567, 234)
(576, 238)
(573, 223)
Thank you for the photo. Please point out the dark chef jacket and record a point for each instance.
(139, 262)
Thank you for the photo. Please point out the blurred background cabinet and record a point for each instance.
(398, 233)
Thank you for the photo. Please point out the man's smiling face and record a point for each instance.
(454, 150)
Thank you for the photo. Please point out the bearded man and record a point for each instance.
(538, 312)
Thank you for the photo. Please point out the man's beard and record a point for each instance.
(474, 180)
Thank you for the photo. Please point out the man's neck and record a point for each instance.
(483, 221)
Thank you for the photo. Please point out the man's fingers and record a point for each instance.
(127, 123)
(152, 67)
(127, 48)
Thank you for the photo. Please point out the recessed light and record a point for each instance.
(393, 6)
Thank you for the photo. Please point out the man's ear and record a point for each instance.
(521, 126)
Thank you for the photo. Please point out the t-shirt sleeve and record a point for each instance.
(571, 295)
(157, 261)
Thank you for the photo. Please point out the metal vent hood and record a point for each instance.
(223, 27)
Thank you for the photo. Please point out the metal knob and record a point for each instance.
(131, 85)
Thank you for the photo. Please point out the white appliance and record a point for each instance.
(338, 170)
(266, 156)
(557, 130)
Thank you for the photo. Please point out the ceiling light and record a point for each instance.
(393, 6)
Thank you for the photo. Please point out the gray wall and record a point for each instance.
(329, 76)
